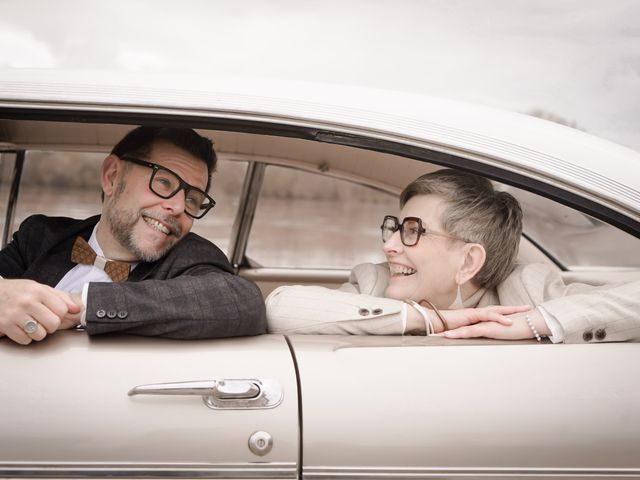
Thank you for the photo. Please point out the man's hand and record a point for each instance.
(24, 300)
(72, 318)
(516, 329)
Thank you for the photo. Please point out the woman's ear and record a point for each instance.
(474, 258)
(109, 175)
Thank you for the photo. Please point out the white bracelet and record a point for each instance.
(532, 327)
(428, 324)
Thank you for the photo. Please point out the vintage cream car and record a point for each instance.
(312, 407)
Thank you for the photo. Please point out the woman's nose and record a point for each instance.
(393, 245)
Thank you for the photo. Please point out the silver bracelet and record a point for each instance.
(428, 324)
(532, 327)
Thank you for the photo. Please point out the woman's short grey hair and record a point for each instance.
(476, 213)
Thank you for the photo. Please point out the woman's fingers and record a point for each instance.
(509, 309)
(517, 330)
(486, 315)
(471, 331)
(498, 313)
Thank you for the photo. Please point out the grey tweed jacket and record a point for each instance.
(190, 293)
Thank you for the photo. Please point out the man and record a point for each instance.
(135, 268)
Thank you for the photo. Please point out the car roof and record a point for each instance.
(378, 120)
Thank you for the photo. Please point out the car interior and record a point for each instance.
(291, 210)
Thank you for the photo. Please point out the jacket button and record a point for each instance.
(601, 334)
(587, 336)
(364, 312)
(100, 313)
(123, 314)
(112, 314)
(377, 311)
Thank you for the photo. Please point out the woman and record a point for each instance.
(451, 267)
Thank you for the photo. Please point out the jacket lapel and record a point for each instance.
(55, 260)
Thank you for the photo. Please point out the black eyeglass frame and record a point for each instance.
(182, 184)
(421, 230)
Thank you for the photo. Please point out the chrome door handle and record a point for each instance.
(234, 394)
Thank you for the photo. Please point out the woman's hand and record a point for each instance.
(511, 327)
(494, 314)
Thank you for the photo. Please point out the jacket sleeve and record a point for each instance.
(319, 310)
(587, 313)
(14, 257)
(192, 294)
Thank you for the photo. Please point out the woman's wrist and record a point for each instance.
(434, 312)
(539, 322)
(415, 322)
(534, 322)
(436, 321)
(421, 321)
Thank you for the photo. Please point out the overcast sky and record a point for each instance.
(577, 59)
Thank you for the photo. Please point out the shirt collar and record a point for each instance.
(93, 243)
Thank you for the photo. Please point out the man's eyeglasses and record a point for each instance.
(166, 184)
(411, 229)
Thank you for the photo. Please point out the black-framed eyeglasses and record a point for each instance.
(166, 184)
(411, 229)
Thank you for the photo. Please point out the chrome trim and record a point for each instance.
(328, 275)
(246, 211)
(227, 394)
(13, 197)
(241, 471)
(269, 396)
(391, 473)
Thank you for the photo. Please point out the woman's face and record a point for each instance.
(428, 269)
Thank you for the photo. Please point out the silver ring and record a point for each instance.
(30, 326)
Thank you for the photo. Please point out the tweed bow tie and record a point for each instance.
(83, 253)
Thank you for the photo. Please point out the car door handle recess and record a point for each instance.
(231, 394)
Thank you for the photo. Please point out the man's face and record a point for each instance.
(426, 270)
(146, 225)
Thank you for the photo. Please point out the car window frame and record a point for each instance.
(255, 169)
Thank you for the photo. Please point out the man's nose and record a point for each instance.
(175, 204)
(393, 245)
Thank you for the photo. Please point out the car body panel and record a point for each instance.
(416, 403)
(70, 409)
(383, 407)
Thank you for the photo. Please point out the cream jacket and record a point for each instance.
(586, 313)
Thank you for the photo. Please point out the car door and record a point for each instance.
(427, 407)
(70, 408)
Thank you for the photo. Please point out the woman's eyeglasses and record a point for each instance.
(411, 229)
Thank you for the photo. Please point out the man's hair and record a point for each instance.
(477, 213)
(139, 141)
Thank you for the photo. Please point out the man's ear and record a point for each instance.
(473, 260)
(111, 166)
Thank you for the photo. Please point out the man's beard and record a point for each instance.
(122, 223)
